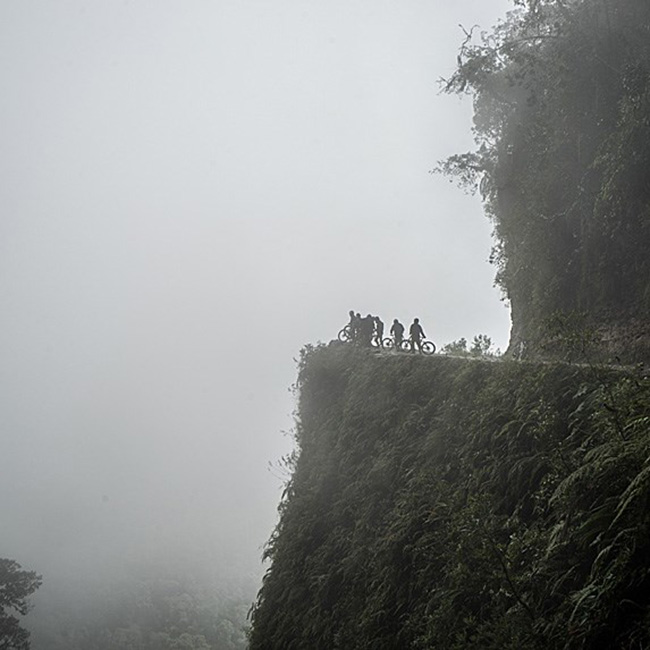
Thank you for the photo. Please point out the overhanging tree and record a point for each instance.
(561, 94)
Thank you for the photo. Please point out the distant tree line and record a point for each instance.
(16, 585)
(152, 608)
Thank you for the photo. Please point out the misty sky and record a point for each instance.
(191, 191)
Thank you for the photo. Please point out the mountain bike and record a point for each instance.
(426, 347)
(345, 335)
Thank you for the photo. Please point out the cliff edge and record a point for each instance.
(451, 503)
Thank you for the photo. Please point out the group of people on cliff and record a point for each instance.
(366, 330)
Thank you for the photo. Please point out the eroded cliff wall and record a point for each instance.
(450, 503)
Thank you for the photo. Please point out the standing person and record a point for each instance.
(416, 333)
(366, 328)
(397, 330)
(353, 325)
(358, 326)
(379, 331)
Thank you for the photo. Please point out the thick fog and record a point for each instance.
(191, 192)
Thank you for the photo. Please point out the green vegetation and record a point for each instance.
(562, 126)
(481, 347)
(452, 503)
(153, 607)
(459, 503)
(16, 586)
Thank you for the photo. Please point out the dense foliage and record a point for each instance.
(562, 123)
(16, 585)
(456, 503)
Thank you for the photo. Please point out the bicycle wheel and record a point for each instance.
(428, 347)
(387, 344)
(405, 346)
(345, 335)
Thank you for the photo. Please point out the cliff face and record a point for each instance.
(562, 104)
(449, 503)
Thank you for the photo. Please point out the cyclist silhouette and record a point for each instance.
(379, 331)
(416, 333)
(366, 328)
(353, 324)
(397, 330)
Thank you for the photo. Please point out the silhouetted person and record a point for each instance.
(379, 331)
(357, 326)
(416, 333)
(397, 330)
(353, 324)
(366, 329)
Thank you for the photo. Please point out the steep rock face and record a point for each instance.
(561, 119)
(449, 503)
